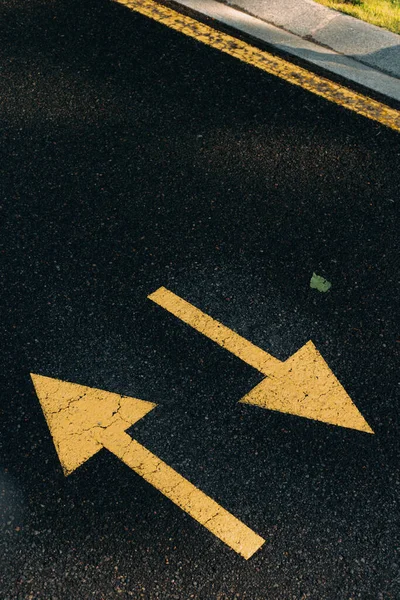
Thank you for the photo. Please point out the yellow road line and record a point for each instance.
(214, 330)
(179, 490)
(334, 92)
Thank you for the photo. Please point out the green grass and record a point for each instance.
(384, 13)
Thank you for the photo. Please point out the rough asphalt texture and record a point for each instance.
(133, 157)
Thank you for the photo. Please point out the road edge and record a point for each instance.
(342, 69)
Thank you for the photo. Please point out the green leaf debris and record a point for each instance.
(319, 283)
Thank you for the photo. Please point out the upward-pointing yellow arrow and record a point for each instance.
(303, 385)
(83, 420)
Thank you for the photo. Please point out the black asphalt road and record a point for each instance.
(134, 157)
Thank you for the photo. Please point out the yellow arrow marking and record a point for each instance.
(303, 385)
(82, 420)
(321, 86)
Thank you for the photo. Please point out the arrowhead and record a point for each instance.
(72, 411)
(305, 386)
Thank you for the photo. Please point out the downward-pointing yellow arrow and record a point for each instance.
(303, 385)
(82, 420)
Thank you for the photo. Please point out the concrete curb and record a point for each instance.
(325, 60)
(371, 45)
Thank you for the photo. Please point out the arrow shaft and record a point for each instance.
(216, 331)
(180, 491)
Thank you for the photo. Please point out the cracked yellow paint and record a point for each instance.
(72, 410)
(321, 86)
(303, 385)
(82, 420)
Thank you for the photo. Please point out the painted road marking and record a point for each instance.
(303, 385)
(321, 86)
(83, 420)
